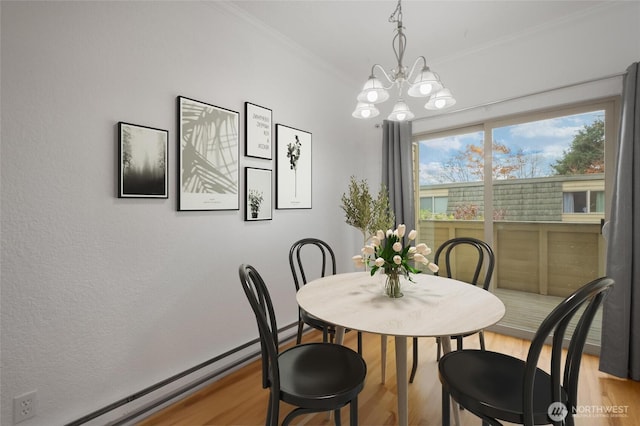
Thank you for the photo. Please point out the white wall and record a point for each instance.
(102, 296)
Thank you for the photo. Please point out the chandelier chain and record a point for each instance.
(398, 13)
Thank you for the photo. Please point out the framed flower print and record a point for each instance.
(293, 168)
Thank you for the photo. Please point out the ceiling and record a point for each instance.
(351, 36)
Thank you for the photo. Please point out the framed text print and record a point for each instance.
(293, 168)
(143, 161)
(257, 131)
(258, 192)
(208, 175)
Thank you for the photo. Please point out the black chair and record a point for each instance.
(327, 266)
(313, 377)
(484, 258)
(496, 387)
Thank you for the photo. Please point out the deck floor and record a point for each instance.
(526, 311)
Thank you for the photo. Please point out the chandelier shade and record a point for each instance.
(365, 110)
(373, 92)
(423, 84)
(401, 112)
(442, 99)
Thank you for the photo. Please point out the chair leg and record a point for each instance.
(359, 342)
(273, 411)
(446, 415)
(481, 334)
(439, 350)
(325, 335)
(299, 337)
(336, 414)
(353, 412)
(459, 347)
(414, 366)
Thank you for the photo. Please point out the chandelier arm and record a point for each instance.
(415, 63)
(389, 78)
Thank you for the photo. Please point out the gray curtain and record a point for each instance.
(397, 170)
(620, 353)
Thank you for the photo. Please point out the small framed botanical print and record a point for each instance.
(258, 194)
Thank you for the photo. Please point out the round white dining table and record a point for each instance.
(431, 307)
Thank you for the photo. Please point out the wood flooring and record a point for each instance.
(238, 399)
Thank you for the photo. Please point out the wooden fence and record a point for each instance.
(549, 258)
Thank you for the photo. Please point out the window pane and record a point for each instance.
(575, 202)
(597, 202)
(440, 205)
(426, 203)
(543, 173)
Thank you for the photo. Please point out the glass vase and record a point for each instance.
(392, 284)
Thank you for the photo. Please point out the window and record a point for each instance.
(434, 205)
(538, 198)
(583, 202)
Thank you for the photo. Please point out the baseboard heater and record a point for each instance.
(181, 390)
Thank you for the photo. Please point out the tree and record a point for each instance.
(586, 153)
(468, 165)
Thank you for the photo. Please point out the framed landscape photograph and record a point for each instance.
(208, 175)
(258, 194)
(257, 131)
(143, 161)
(293, 168)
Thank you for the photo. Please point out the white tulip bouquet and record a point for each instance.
(391, 253)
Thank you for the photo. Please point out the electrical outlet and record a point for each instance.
(24, 407)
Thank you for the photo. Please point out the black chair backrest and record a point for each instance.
(485, 257)
(590, 296)
(328, 265)
(260, 301)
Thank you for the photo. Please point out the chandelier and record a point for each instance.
(426, 83)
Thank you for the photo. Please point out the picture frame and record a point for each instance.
(257, 194)
(208, 157)
(143, 161)
(258, 131)
(293, 168)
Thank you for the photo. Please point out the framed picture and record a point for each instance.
(293, 168)
(258, 194)
(257, 131)
(208, 177)
(143, 161)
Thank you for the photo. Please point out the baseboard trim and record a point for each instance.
(183, 390)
